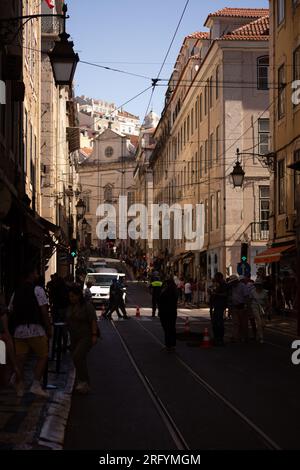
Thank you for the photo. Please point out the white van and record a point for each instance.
(101, 283)
(105, 270)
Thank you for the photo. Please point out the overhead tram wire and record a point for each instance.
(156, 80)
(115, 70)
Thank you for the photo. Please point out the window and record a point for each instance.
(218, 209)
(264, 209)
(188, 128)
(263, 136)
(211, 150)
(196, 112)
(206, 216)
(184, 133)
(263, 73)
(181, 138)
(296, 65)
(217, 81)
(205, 156)
(108, 193)
(25, 141)
(201, 107)
(201, 161)
(86, 200)
(130, 198)
(192, 121)
(281, 186)
(217, 143)
(206, 99)
(296, 177)
(109, 151)
(281, 92)
(280, 11)
(210, 92)
(212, 212)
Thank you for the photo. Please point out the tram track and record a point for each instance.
(170, 424)
(173, 429)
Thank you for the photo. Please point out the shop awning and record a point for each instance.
(273, 255)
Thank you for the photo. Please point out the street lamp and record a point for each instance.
(80, 208)
(238, 174)
(63, 58)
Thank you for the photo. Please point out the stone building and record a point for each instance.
(104, 175)
(217, 102)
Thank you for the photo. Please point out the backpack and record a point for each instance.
(26, 309)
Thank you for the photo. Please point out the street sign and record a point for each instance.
(244, 269)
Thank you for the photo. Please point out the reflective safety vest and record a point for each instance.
(156, 284)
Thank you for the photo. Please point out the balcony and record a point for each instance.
(260, 231)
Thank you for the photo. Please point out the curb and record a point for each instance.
(52, 434)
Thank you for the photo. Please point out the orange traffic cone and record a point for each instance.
(187, 328)
(206, 339)
(137, 312)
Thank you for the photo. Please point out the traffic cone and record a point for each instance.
(187, 328)
(137, 312)
(206, 339)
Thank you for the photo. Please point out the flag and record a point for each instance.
(50, 3)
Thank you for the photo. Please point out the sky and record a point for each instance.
(134, 36)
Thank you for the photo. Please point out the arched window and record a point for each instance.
(263, 73)
(108, 193)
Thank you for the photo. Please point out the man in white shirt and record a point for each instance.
(188, 292)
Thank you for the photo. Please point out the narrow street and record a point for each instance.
(219, 398)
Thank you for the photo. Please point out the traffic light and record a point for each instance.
(73, 248)
(244, 252)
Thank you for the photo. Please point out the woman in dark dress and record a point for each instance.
(83, 328)
(167, 312)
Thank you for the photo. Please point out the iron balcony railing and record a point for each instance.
(260, 231)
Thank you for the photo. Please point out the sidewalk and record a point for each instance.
(32, 423)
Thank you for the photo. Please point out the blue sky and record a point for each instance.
(133, 35)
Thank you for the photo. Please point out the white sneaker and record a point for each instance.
(37, 390)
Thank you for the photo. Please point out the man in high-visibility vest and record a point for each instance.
(155, 288)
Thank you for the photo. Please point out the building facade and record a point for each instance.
(25, 235)
(285, 130)
(217, 102)
(97, 115)
(60, 143)
(143, 177)
(105, 175)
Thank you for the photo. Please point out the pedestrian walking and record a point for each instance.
(155, 289)
(237, 300)
(30, 323)
(83, 328)
(181, 289)
(87, 292)
(188, 292)
(167, 311)
(219, 299)
(116, 301)
(260, 306)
